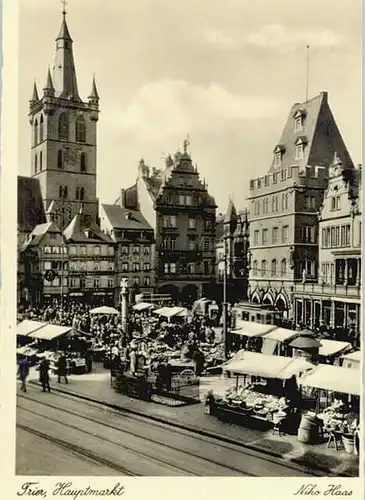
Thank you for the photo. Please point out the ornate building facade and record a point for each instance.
(178, 206)
(284, 204)
(333, 302)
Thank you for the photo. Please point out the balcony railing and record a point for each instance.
(331, 290)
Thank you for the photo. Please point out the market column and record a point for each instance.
(123, 295)
(311, 314)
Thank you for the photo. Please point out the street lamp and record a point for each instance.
(123, 294)
(225, 303)
(60, 213)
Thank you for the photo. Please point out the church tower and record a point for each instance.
(64, 137)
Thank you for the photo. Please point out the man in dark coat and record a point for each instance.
(62, 368)
(23, 372)
(44, 374)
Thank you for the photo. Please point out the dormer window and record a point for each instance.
(298, 120)
(278, 155)
(300, 144)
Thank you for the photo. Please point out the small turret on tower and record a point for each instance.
(48, 90)
(35, 97)
(94, 96)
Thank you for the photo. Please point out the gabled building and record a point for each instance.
(333, 303)
(177, 205)
(44, 268)
(232, 245)
(134, 247)
(284, 204)
(91, 262)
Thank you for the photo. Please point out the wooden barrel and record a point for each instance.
(357, 441)
(308, 429)
(349, 443)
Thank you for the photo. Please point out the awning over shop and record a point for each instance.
(251, 329)
(142, 306)
(262, 365)
(333, 378)
(184, 313)
(333, 347)
(28, 326)
(50, 332)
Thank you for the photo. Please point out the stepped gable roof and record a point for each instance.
(30, 204)
(78, 229)
(124, 218)
(319, 133)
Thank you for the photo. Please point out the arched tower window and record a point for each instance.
(83, 162)
(82, 194)
(40, 161)
(41, 129)
(59, 159)
(63, 127)
(36, 163)
(80, 129)
(77, 193)
(35, 132)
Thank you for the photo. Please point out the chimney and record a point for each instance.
(122, 198)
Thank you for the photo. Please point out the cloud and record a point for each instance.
(279, 37)
(171, 108)
(219, 40)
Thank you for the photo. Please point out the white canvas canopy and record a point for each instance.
(332, 347)
(142, 306)
(169, 312)
(333, 378)
(352, 360)
(274, 337)
(28, 326)
(104, 310)
(261, 365)
(251, 329)
(50, 332)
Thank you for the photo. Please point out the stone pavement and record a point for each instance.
(96, 387)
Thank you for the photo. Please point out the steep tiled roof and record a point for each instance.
(319, 133)
(39, 232)
(30, 204)
(79, 226)
(124, 218)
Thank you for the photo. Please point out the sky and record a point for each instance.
(226, 73)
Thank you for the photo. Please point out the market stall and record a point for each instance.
(143, 306)
(331, 350)
(336, 392)
(27, 326)
(248, 335)
(351, 360)
(265, 389)
(277, 341)
(104, 310)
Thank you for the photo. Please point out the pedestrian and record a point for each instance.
(44, 374)
(62, 368)
(89, 360)
(23, 372)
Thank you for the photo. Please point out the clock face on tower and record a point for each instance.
(72, 155)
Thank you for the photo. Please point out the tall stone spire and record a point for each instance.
(64, 73)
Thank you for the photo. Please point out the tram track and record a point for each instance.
(106, 440)
(134, 434)
(186, 455)
(78, 450)
(225, 444)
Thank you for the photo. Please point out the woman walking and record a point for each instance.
(44, 374)
(23, 372)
